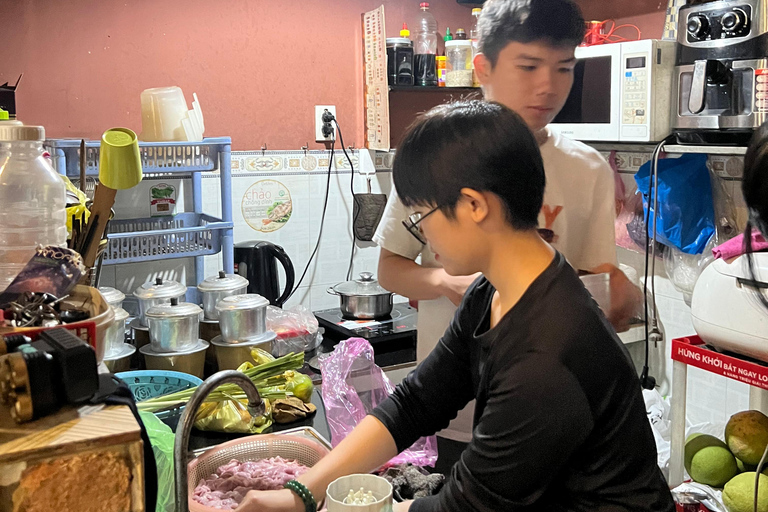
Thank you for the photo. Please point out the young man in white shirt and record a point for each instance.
(526, 63)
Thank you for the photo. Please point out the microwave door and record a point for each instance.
(591, 111)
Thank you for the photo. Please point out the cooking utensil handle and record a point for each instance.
(285, 261)
(698, 87)
(332, 291)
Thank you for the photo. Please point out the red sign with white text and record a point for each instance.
(693, 352)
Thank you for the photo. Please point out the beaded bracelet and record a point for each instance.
(310, 505)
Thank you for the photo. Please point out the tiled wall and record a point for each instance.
(303, 175)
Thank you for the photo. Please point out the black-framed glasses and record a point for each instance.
(412, 224)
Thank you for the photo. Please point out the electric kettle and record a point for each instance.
(257, 262)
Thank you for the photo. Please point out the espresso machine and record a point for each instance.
(721, 71)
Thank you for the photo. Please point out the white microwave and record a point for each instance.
(621, 92)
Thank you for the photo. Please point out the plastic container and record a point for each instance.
(474, 37)
(115, 337)
(162, 110)
(376, 485)
(599, 286)
(32, 200)
(441, 60)
(458, 68)
(399, 61)
(425, 47)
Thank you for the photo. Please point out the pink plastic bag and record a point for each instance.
(352, 387)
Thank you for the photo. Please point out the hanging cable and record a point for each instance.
(652, 330)
(322, 220)
(352, 191)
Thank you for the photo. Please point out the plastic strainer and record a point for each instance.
(299, 447)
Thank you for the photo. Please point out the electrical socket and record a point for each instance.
(319, 109)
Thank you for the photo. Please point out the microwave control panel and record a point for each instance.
(635, 89)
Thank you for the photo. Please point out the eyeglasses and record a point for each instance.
(412, 224)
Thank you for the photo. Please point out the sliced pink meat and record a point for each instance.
(227, 487)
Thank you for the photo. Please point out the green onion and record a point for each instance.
(265, 377)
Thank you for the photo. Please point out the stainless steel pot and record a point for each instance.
(113, 296)
(363, 299)
(242, 317)
(154, 294)
(174, 327)
(213, 289)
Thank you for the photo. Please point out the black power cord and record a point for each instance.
(322, 218)
(352, 191)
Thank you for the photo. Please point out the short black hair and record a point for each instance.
(558, 23)
(475, 144)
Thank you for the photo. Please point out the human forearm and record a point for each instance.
(366, 448)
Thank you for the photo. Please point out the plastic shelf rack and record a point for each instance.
(189, 234)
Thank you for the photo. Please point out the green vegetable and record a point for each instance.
(300, 385)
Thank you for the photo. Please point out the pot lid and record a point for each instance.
(223, 283)
(160, 290)
(174, 310)
(366, 285)
(120, 315)
(111, 295)
(243, 301)
(198, 347)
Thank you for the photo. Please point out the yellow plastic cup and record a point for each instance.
(120, 161)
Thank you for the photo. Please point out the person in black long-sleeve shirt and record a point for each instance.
(560, 422)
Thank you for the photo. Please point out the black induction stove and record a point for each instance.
(393, 339)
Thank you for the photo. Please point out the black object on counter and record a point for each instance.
(393, 339)
(399, 61)
(257, 262)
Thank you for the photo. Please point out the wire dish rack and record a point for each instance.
(188, 234)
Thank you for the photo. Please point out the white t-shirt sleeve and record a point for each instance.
(600, 246)
(392, 235)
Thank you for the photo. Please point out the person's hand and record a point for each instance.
(283, 500)
(454, 287)
(626, 298)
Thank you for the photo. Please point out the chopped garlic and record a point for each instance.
(359, 498)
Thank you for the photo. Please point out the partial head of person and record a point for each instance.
(754, 185)
(526, 55)
(473, 175)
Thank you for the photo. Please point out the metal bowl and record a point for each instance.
(213, 289)
(191, 361)
(242, 317)
(230, 356)
(174, 327)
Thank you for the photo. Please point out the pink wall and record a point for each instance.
(258, 67)
(651, 25)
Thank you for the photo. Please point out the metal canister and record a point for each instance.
(242, 317)
(174, 327)
(213, 289)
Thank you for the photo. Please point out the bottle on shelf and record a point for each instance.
(461, 35)
(425, 48)
(474, 36)
(32, 199)
(442, 60)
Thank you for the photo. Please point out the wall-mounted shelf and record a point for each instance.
(672, 148)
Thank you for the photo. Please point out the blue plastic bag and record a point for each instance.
(686, 217)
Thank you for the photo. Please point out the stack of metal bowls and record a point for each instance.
(174, 334)
(212, 290)
(117, 353)
(152, 294)
(243, 323)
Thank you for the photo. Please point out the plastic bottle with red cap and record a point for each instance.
(425, 47)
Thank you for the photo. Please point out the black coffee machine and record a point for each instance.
(257, 262)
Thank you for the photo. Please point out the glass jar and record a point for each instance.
(458, 69)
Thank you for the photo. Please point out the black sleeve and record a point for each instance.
(536, 415)
(433, 394)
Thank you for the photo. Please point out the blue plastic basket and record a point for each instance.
(146, 384)
(157, 238)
